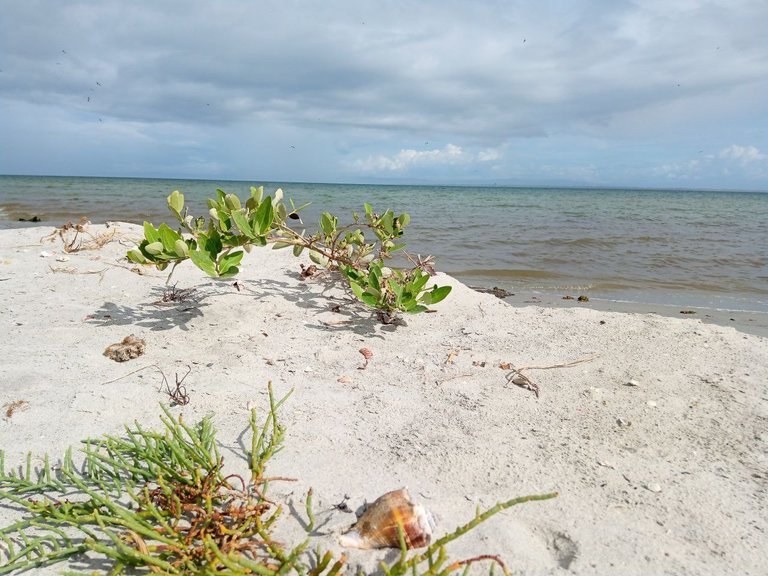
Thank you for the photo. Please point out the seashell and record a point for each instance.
(378, 526)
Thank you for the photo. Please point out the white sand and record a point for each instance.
(678, 488)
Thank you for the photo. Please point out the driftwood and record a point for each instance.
(516, 376)
(496, 291)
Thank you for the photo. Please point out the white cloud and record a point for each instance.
(449, 155)
(744, 162)
(743, 154)
(405, 159)
(489, 155)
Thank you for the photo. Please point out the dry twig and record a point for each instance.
(172, 295)
(179, 394)
(517, 377)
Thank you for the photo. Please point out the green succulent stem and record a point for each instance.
(161, 502)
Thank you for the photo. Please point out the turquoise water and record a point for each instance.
(687, 248)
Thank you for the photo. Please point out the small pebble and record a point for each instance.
(651, 403)
(633, 383)
(653, 487)
(622, 422)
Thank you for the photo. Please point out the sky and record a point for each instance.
(650, 93)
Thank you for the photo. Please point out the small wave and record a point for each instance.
(508, 274)
(578, 242)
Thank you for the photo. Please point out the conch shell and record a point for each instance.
(378, 526)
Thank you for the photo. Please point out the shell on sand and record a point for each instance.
(378, 526)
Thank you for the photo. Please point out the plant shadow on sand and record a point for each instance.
(163, 313)
(322, 295)
(172, 307)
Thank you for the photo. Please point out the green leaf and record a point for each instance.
(437, 294)
(370, 299)
(357, 290)
(318, 258)
(349, 271)
(176, 202)
(262, 220)
(150, 233)
(281, 211)
(211, 242)
(327, 223)
(242, 223)
(231, 260)
(297, 250)
(203, 261)
(232, 202)
(257, 193)
(419, 281)
(397, 290)
(135, 255)
(233, 271)
(168, 237)
(181, 248)
(154, 248)
(374, 276)
(387, 222)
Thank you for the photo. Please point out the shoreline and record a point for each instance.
(749, 322)
(651, 429)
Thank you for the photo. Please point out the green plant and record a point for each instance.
(216, 245)
(160, 502)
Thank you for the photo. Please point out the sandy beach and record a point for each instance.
(652, 429)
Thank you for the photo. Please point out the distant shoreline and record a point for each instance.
(409, 183)
(749, 322)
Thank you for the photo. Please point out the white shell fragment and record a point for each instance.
(380, 524)
(633, 383)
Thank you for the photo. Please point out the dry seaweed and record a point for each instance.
(76, 238)
(131, 347)
(12, 407)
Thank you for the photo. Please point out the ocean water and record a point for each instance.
(703, 249)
